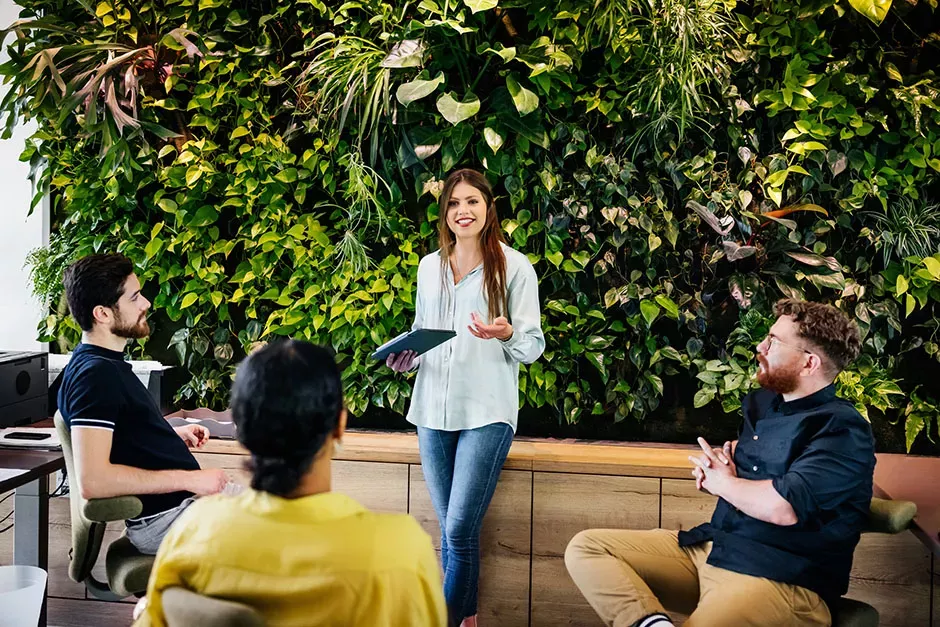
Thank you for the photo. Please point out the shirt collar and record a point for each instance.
(324, 507)
(805, 403)
(94, 349)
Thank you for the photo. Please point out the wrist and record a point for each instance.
(508, 336)
(724, 486)
(188, 479)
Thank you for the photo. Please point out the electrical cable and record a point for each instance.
(54, 493)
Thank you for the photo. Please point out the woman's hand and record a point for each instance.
(401, 362)
(500, 329)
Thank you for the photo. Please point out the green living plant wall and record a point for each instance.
(670, 167)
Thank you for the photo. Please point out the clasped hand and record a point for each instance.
(714, 467)
(195, 436)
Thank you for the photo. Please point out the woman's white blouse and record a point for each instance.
(467, 382)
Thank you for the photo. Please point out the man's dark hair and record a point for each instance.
(95, 280)
(286, 401)
(826, 328)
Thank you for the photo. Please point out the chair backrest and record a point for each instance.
(185, 608)
(86, 534)
(887, 516)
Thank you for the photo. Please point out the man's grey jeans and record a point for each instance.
(146, 534)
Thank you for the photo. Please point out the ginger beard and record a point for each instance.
(782, 379)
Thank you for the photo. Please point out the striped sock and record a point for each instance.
(655, 620)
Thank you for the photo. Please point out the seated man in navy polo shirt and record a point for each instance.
(794, 493)
(121, 442)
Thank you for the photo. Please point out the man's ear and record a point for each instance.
(102, 314)
(814, 364)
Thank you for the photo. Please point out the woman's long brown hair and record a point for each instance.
(491, 238)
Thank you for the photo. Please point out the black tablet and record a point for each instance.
(420, 341)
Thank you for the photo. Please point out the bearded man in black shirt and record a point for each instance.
(120, 440)
(793, 491)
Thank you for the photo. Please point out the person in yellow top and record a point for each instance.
(298, 553)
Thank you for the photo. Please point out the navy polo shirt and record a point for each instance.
(100, 391)
(820, 455)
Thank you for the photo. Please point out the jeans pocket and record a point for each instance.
(809, 607)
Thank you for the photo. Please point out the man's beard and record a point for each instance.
(135, 331)
(780, 379)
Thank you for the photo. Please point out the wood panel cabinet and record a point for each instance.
(892, 573)
(504, 545)
(563, 505)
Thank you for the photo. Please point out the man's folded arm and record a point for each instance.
(99, 478)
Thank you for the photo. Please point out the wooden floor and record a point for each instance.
(81, 613)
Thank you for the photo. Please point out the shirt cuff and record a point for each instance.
(794, 491)
(512, 340)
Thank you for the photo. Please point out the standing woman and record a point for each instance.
(466, 398)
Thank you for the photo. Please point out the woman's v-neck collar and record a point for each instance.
(450, 272)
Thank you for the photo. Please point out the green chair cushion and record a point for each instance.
(127, 568)
(852, 613)
(184, 608)
(115, 508)
(887, 516)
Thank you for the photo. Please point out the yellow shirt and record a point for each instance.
(319, 560)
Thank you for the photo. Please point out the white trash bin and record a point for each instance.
(22, 589)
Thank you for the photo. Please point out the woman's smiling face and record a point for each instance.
(466, 211)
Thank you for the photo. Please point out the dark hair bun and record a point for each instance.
(286, 401)
(276, 475)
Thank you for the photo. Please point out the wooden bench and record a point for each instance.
(549, 490)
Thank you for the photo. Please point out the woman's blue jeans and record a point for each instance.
(461, 469)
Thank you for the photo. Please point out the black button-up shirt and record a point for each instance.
(820, 455)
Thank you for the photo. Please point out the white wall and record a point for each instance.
(19, 311)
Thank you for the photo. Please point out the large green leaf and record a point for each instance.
(288, 175)
(481, 5)
(933, 266)
(597, 359)
(205, 216)
(902, 284)
(493, 139)
(835, 281)
(812, 259)
(650, 311)
(456, 111)
(526, 101)
(418, 89)
(407, 53)
(672, 309)
(914, 424)
(875, 10)
(703, 397)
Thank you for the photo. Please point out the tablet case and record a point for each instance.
(420, 341)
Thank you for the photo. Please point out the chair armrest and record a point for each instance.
(886, 516)
(184, 607)
(112, 509)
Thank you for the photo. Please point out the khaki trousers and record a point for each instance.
(627, 575)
